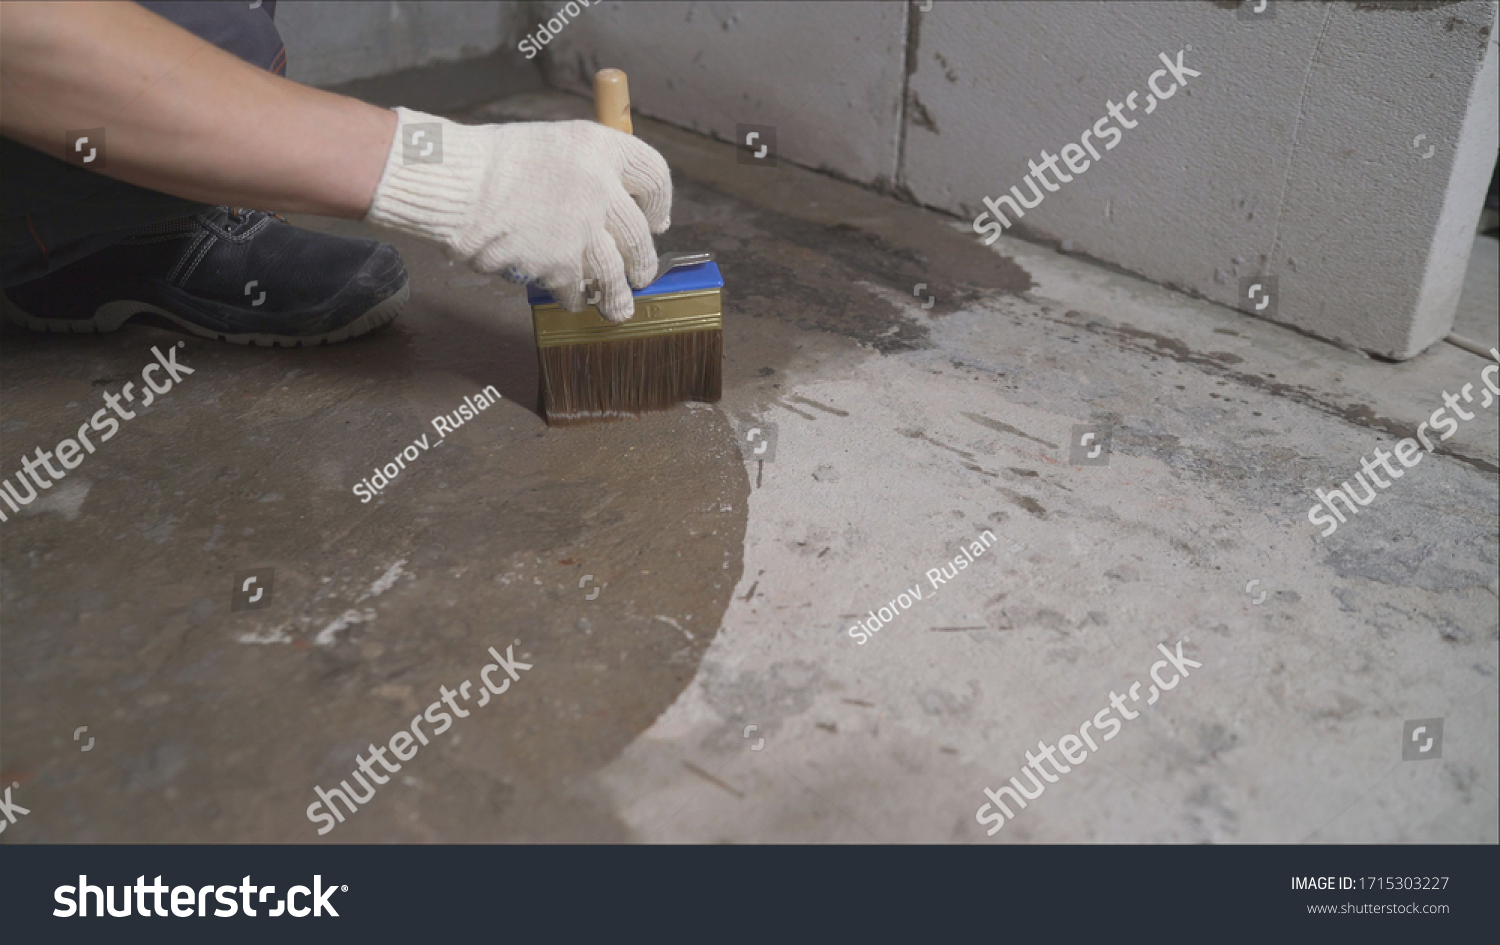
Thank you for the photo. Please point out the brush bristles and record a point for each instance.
(607, 380)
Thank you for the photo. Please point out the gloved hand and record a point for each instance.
(560, 202)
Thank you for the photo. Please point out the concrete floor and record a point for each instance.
(725, 585)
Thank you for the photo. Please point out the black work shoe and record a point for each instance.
(235, 275)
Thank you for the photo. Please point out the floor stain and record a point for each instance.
(999, 427)
(1218, 362)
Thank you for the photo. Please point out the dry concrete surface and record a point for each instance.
(685, 604)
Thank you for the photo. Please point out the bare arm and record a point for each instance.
(182, 116)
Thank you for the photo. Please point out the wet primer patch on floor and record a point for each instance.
(604, 554)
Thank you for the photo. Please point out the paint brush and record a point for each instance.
(671, 350)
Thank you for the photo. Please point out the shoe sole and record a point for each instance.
(111, 315)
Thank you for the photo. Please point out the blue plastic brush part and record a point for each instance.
(681, 279)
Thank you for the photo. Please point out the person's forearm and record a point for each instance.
(182, 116)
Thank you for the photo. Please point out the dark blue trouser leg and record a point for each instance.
(53, 213)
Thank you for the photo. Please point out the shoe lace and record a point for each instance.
(240, 215)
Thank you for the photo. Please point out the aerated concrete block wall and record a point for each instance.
(330, 43)
(827, 76)
(1334, 153)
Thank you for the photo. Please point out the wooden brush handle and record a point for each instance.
(612, 100)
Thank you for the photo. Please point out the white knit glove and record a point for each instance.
(558, 202)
